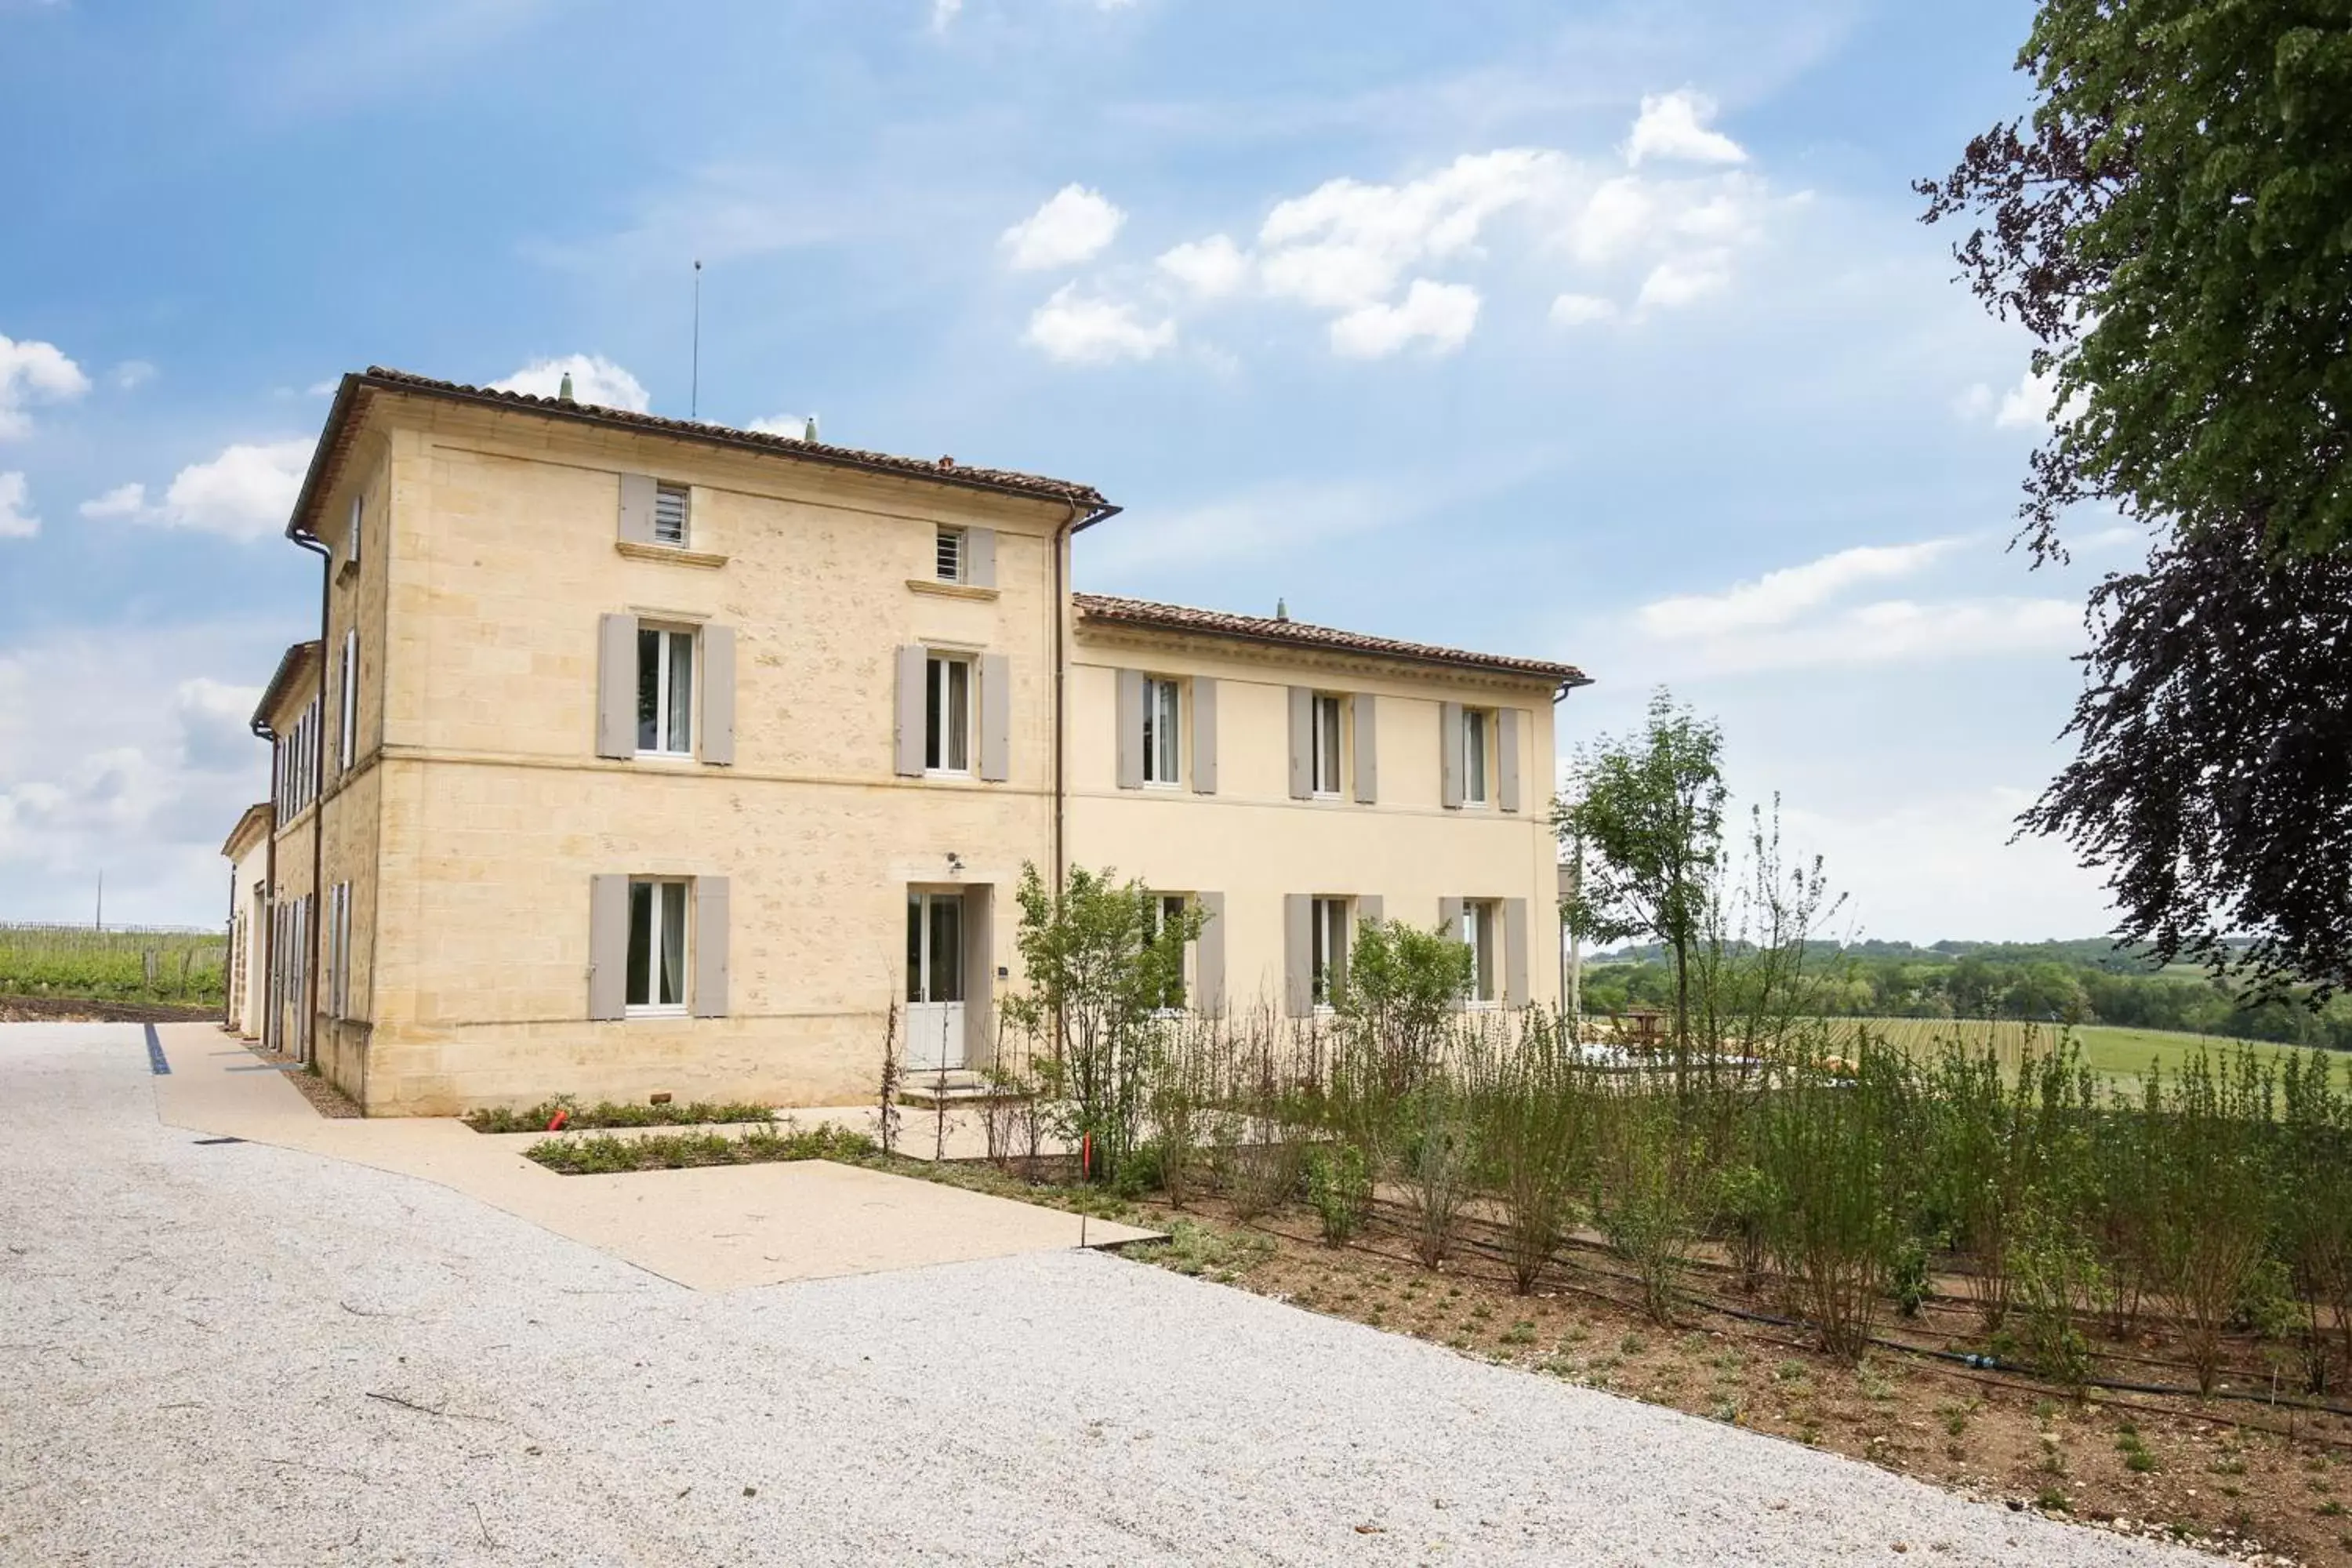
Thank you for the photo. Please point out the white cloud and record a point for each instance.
(1211, 267)
(2028, 403)
(1074, 226)
(1094, 331)
(322, 388)
(1345, 244)
(1678, 280)
(1443, 313)
(1672, 125)
(114, 757)
(1273, 520)
(944, 13)
(1581, 310)
(1941, 864)
(1890, 631)
(123, 502)
(17, 517)
(132, 375)
(34, 372)
(1779, 597)
(245, 493)
(793, 425)
(594, 379)
(1974, 402)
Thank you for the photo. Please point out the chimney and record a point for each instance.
(564, 392)
(1281, 610)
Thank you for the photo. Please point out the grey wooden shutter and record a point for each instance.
(995, 717)
(359, 515)
(1302, 742)
(1449, 917)
(1297, 954)
(980, 557)
(1449, 745)
(1130, 729)
(718, 694)
(616, 687)
(637, 508)
(1370, 906)
(1507, 758)
(1209, 957)
(608, 946)
(913, 663)
(1204, 735)
(1515, 951)
(1367, 709)
(710, 942)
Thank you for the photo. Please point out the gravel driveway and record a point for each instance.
(235, 1354)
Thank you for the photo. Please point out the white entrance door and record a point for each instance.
(934, 982)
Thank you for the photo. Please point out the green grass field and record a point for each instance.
(113, 966)
(2117, 1055)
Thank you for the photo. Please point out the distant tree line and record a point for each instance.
(2086, 981)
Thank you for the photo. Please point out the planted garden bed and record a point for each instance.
(605, 1113)
(605, 1154)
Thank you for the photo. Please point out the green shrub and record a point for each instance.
(1340, 1189)
(605, 1154)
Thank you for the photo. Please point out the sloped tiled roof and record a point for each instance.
(940, 470)
(1103, 610)
(299, 662)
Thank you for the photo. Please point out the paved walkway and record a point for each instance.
(244, 1353)
(719, 1227)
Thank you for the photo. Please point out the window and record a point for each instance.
(1326, 743)
(1163, 723)
(670, 514)
(1478, 927)
(1477, 734)
(351, 539)
(347, 722)
(951, 555)
(299, 763)
(664, 693)
(657, 921)
(947, 723)
(1328, 919)
(1168, 910)
(338, 938)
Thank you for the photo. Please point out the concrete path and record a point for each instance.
(242, 1353)
(719, 1227)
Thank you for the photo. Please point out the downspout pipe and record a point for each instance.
(269, 888)
(1079, 521)
(309, 541)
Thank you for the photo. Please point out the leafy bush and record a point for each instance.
(607, 1113)
(605, 1154)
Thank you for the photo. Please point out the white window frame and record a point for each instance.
(667, 720)
(951, 555)
(1482, 923)
(1327, 745)
(353, 536)
(656, 922)
(948, 714)
(683, 497)
(1331, 932)
(1477, 756)
(1163, 733)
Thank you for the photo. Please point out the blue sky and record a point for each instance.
(1599, 332)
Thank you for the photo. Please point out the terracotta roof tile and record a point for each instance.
(943, 470)
(1101, 609)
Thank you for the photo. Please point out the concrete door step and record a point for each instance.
(958, 1088)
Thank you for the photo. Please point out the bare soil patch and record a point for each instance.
(86, 1010)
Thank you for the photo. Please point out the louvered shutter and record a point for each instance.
(1515, 951)
(1298, 954)
(1367, 709)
